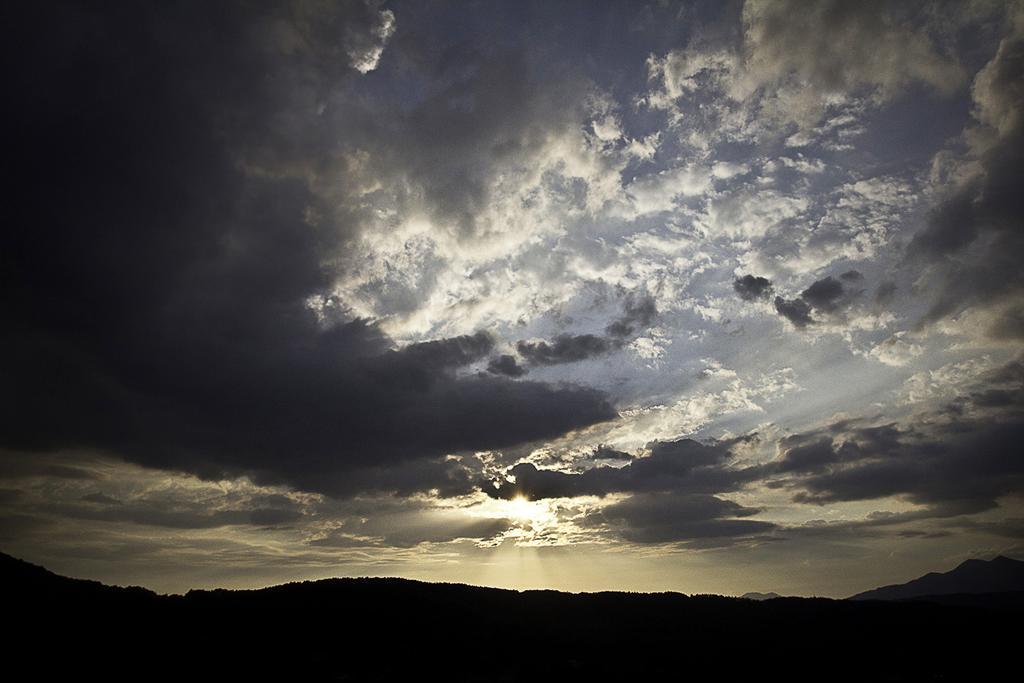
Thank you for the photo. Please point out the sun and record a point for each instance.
(527, 516)
(520, 507)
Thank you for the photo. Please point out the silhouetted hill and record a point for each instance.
(760, 596)
(1001, 575)
(394, 629)
(20, 580)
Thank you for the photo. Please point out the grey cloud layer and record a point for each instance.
(684, 466)
(691, 518)
(961, 461)
(638, 314)
(976, 235)
(170, 228)
(671, 493)
(827, 296)
(837, 46)
(752, 287)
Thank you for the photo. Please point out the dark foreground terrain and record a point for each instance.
(392, 629)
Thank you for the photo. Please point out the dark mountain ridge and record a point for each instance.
(754, 595)
(972, 577)
(396, 629)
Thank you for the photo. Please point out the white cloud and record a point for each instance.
(896, 350)
(944, 382)
(746, 214)
(365, 51)
(658, 192)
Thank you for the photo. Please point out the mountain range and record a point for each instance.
(760, 596)
(972, 577)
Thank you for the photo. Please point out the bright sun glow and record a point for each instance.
(529, 516)
(521, 508)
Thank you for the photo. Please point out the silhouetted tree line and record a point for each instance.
(393, 629)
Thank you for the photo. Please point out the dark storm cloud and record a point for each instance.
(951, 463)
(440, 354)
(838, 46)
(10, 495)
(797, 311)
(420, 364)
(817, 451)
(638, 314)
(684, 466)
(464, 131)
(22, 465)
(808, 457)
(606, 453)
(444, 477)
(505, 365)
(169, 224)
(672, 492)
(1009, 325)
(667, 518)
(1012, 527)
(997, 398)
(102, 498)
(1009, 373)
(827, 296)
(951, 467)
(885, 293)
(975, 234)
(404, 533)
(752, 287)
(177, 514)
(951, 225)
(564, 348)
(824, 294)
(995, 394)
(951, 483)
(957, 468)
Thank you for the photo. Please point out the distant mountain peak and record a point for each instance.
(760, 596)
(974, 576)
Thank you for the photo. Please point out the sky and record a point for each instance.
(711, 297)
